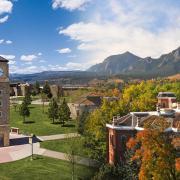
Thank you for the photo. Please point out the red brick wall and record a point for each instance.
(116, 146)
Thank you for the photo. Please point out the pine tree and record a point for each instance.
(64, 112)
(37, 87)
(27, 99)
(24, 111)
(47, 90)
(82, 121)
(53, 110)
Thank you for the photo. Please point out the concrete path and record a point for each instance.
(18, 152)
(14, 153)
(58, 136)
(35, 102)
(64, 157)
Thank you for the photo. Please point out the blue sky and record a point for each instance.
(39, 35)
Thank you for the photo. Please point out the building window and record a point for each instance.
(1, 103)
(0, 114)
(1, 91)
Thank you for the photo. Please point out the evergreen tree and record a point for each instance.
(82, 121)
(24, 111)
(53, 110)
(27, 99)
(47, 90)
(37, 87)
(64, 112)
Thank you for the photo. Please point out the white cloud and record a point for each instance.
(69, 4)
(5, 6)
(28, 57)
(8, 57)
(39, 54)
(128, 26)
(4, 19)
(64, 51)
(11, 62)
(9, 42)
(1, 41)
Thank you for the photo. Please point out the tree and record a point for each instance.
(24, 111)
(82, 121)
(153, 148)
(64, 112)
(37, 87)
(53, 110)
(14, 103)
(47, 90)
(43, 99)
(71, 153)
(27, 99)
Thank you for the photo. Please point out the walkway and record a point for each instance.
(64, 157)
(58, 136)
(18, 152)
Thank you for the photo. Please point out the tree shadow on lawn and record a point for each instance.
(29, 122)
(31, 107)
(68, 125)
(65, 125)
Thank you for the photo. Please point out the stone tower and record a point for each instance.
(4, 102)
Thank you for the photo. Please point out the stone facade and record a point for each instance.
(4, 102)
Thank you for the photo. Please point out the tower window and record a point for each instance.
(0, 114)
(1, 91)
(1, 103)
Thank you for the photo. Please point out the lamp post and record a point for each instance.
(31, 142)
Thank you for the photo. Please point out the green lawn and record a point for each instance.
(39, 123)
(42, 168)
(65, 145)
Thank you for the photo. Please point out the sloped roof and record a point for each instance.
(3, 59)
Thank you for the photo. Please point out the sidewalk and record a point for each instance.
(58, 136)
(64, 157)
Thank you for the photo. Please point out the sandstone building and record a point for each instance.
(4, 102)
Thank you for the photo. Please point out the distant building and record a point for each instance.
(20, 89)
(88, 103)
(167, 100)
(4, 102)
(122, 128)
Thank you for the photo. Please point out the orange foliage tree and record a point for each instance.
(154, 149)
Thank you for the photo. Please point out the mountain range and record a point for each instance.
(130, 64)
(125, 65)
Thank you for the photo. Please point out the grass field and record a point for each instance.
(65, 145)
(39, 123)
(43, 168)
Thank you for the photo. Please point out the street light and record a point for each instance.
(31, 142)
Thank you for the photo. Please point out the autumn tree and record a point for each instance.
(153, 147)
